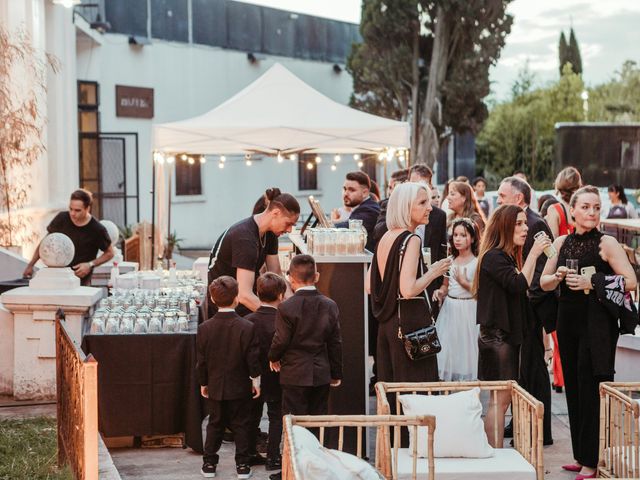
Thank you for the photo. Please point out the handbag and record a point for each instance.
(424, 342)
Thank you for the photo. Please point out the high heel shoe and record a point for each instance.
(572, 467)
(582, 477)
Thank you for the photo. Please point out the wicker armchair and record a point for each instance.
(386, 455)
(619, 453)
(527, 411)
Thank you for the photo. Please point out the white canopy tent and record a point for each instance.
(279, 113)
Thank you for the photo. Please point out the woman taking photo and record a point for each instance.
(587, 333)
(408, 207)
(500, 286)
(463, 204)
(245, 247)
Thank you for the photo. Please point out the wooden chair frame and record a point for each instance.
(385, 453)
(619, 452)
(527, 411)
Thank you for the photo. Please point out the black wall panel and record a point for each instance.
(210, 22)
(170, 20)
(278, 32)
(127, 16)
(244, 24)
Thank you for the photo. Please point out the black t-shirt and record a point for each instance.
(87, 239)
(240, 247)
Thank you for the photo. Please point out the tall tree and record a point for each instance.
(432, 55)
(563, 52)
(574, 53)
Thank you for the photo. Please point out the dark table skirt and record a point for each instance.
(147, 385)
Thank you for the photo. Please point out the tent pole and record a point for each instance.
(153, 213)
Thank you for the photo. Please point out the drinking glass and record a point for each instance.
(355, 224)
(549, 251)
(155, 324)
(113, 325)
(572, 265)
(426, 256)
(97, 326)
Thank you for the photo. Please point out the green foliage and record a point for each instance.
(569, 53)
(520, 134)
(619, 99)
(28, 450)
(563, 49)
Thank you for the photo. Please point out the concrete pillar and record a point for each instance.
(34, 309)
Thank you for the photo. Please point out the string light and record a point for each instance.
(280, 159)
(360, 164)
(220, 165)
(356, 156)
(336, 158)
(171, 159)
(333, 168)
(203, 159)
(309, 166)
(318, 159)
(293, 157)
(158, 157)
(191, 161)
(223, 158)
(183, 157)
(381, 156)
(248, 163)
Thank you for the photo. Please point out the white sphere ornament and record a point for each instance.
(56, 250)
(112, 230)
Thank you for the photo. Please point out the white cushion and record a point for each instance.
(505, 464)
(459, 426)
(315, 461)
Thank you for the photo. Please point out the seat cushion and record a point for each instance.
(459, 426)
(505, 464)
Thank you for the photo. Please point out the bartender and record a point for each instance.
(246, 246)
(356, 194)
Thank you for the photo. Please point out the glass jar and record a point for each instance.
(97, 326)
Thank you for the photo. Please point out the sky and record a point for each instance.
(607, 33)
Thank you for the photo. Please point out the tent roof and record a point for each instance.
(279, 112)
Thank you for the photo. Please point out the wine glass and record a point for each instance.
(572, 265)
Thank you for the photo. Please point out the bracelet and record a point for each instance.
(548, 349)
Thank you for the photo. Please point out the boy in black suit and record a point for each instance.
(228, 368)
(307, 345)
(271, 289)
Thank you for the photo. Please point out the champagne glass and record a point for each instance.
(426, 256)
(572, 265)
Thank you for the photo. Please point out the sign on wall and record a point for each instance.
(136, 102)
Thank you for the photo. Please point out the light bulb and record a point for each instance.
(191, 161)
(381, 156)
(280, 158)
(333, 168)
(171, 159)
(356, 156)
(158, 157)
(336, 158)
(360, 164)
(309, 166)
(318, 159)
(183, 157)
(223, 158)
(293, 157)
(220, 165)
(248, 163)
(203, 159)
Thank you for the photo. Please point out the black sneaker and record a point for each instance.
(275, 476)
(273, 464)
(256, 459)
(208, 470)
(243, 471)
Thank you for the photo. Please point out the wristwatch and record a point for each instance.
(91, 264)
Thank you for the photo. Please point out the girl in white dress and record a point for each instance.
(456, 323)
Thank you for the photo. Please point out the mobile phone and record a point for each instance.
(587, 272)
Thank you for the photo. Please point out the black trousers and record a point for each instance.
(581, 384)
(274, 413)
(298, 400)
(534, 376)
(236, 414)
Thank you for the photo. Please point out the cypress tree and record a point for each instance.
(563, 50)
(574, 52)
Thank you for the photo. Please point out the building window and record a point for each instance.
(307, 177)
(370, 166)
(188, 178)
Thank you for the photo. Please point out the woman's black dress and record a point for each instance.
(587, 342)
(393, 363)
(501, 314)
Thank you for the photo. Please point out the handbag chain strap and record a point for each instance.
(403, 249)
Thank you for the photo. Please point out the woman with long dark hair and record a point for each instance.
(463, 204)
(500, 286)
(587, 332)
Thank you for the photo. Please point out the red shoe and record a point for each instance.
(572, 467)
(582, 477)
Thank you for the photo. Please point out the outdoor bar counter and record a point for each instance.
(342, 279)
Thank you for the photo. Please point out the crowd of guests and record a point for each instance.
(509, 289)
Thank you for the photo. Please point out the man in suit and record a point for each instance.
(228, 358)
(397, 177)
(356, 193)
(534, 376)
(307, 345)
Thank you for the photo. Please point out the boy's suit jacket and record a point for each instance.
(264, 322)
(307, 341)
(227, 355)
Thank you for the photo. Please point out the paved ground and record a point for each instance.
(179, 464)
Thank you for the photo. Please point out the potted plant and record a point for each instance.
(22, 90)
(172, 242)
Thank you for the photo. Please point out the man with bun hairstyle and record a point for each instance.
(242, 250)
